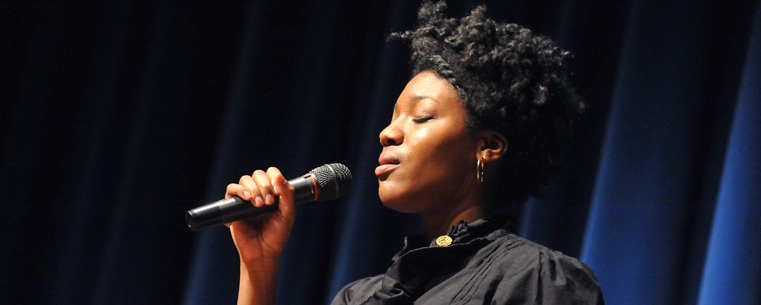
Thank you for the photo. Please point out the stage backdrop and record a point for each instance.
(118, 116)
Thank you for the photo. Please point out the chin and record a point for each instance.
(399, 207)
(395, 201)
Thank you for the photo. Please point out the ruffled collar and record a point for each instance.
(464, 232)
(417, 264)
(460, 233)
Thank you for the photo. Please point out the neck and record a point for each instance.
(439, 224)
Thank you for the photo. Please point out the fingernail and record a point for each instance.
(269, 199)
(258, 201)
(246, 195)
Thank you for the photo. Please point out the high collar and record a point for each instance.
(460, 233)
(418, 264)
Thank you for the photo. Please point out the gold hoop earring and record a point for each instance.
(480, 170)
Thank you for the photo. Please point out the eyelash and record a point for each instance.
(422, 120)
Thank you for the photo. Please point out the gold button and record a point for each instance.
(444, 240)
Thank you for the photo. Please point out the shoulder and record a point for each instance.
(521, 252)
(539, 273)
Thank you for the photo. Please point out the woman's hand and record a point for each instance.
(263, 237)
(260, 240)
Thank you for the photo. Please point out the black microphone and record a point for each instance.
(326, 182)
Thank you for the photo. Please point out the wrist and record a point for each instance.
(258, 282)
(260, 265)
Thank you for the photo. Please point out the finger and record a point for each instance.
(265, 186)
(272, 174)
(251, 191)
(287, 205)
(234, 189)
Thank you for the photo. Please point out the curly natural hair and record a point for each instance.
(511, 81)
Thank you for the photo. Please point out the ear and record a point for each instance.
(492, 146)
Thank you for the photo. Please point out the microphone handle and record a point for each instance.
(234, 208)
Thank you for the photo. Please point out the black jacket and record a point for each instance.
(485, 264)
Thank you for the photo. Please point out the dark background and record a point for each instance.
(118, 116)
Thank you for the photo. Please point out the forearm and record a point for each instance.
(258, 283)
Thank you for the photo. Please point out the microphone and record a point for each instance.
(326, 182)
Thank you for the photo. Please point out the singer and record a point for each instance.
(480, 126)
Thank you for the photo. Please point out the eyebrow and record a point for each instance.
(417, 98)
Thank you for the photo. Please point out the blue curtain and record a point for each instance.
(118, 116)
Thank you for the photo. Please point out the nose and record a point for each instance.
(391, 135)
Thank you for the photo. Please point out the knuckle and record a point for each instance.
(266, 188)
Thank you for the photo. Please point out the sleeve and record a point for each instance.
(356, 292)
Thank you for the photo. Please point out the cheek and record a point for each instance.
(450, 148)
(447, 158)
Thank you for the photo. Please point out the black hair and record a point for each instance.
(511, 81)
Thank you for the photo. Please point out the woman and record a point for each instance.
(477, 128)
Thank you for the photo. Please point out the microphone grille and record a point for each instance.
(333, 180)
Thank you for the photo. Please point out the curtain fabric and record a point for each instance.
(116, 117)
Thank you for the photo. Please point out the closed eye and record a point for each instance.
(423, 120)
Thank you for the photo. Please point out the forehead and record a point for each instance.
(428, 85)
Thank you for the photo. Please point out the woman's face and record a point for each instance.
(428, 161)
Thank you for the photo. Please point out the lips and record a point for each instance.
(388, 163)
